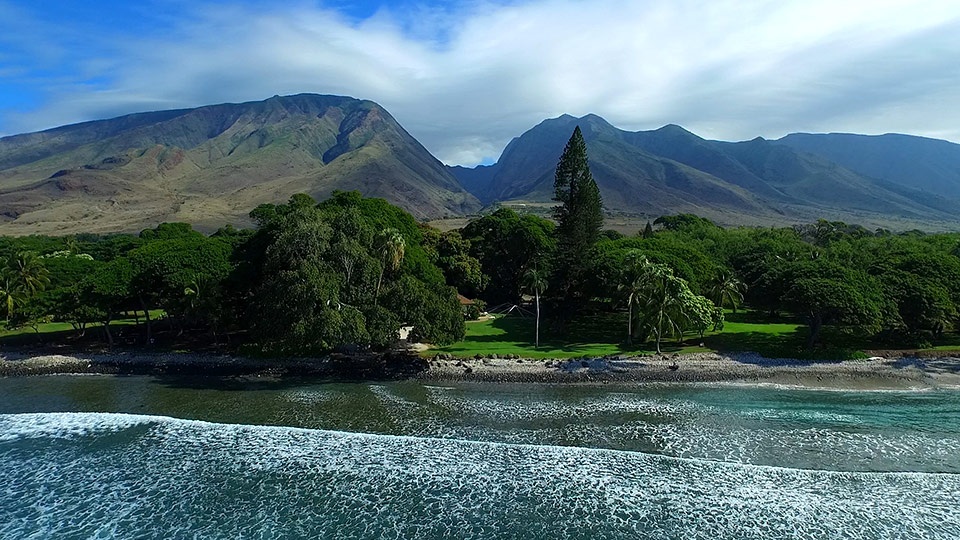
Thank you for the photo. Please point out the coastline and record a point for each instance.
(877, 373)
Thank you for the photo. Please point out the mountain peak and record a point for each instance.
(213, 164)
(673, 129)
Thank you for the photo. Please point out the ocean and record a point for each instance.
(145, 457)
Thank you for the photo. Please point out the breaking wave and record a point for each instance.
(98, 475)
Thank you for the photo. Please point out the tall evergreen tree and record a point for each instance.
(648, 231)
(579, 219)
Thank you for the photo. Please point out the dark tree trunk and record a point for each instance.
(536, 344)
(146, 316)
(816, 323)
(106, 328)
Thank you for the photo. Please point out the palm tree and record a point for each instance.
(535, 281)
(391, 248)
(23, 276)
(10, 295)
(28, 272)
(658, 299)
(727, 288)
(633, 285)
(663, 296)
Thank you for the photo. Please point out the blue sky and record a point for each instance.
(466, 76)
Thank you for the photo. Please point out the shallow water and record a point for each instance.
(209, 458)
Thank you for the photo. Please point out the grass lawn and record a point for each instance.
(59, 331)
(603, 334)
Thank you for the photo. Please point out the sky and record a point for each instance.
(466, 76)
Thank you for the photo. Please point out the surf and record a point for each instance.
(76, 475)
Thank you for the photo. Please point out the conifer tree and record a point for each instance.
(579, 219)
(648, 231)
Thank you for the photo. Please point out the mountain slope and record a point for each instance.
(671, 170)
(915, 162)
(630, 178)
(212, 165)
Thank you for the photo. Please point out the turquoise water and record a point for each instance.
(137, 457)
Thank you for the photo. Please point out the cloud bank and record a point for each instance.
(465, 80)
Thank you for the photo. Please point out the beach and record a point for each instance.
(899, 373)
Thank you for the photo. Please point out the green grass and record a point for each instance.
(604, 334)
(53, 331)
(514, 335)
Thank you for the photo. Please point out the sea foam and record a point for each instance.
(86, 475)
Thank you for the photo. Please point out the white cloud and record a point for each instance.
(465, 82)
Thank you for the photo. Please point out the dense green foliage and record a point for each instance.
(348, 272)
(876, 288)
(506, 244)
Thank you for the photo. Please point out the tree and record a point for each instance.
(29, 273)
(21, 278)
(109, 290)
(322, 278)
(647, 231)
(727, 289)
(535, 281)
(579, 217)
(828, 293)
(390, 247)
(451, 253)
(661, 293)
(164, 269)
(11, 295)
(633, 284)
(506, 244)
(700, 314)
(670, 306)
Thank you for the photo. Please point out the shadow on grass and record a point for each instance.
(33, 339)
(586, 335)
(763, 343)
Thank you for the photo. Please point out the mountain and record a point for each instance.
(630, 178)
(212, 165)
(672, 170)
(930, 165)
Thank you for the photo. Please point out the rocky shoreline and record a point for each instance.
(874, 373)
(748, 368)
(355, 367)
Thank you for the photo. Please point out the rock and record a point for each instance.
(584, 363)
(494, 356)
(468, 370)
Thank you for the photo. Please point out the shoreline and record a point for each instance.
(876, 373)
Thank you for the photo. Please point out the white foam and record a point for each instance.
(65, 425)
(197, 479)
